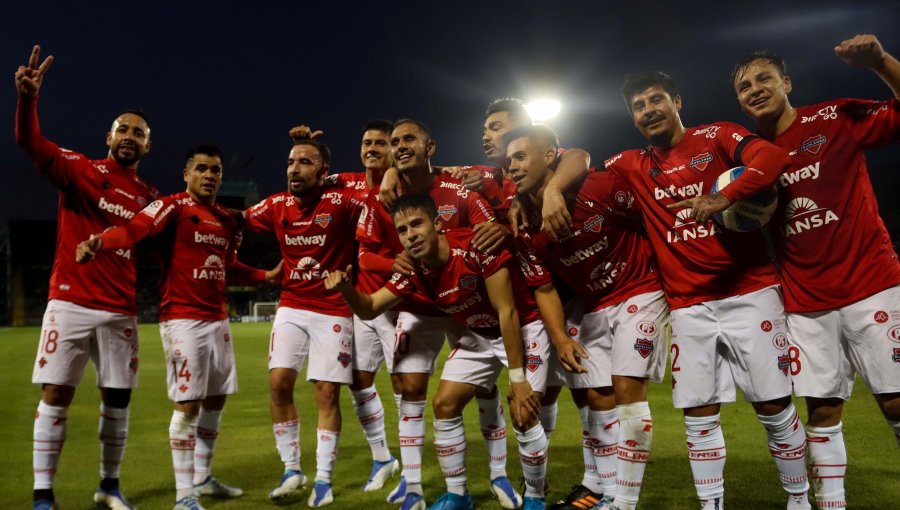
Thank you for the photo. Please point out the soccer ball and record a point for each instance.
(750, 213)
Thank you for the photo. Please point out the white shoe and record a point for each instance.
(381, 472)
(188, 502)
(798, 502)
(321, 495)
(292, 482)
(112, 499)
(505, 493)
(215, 488)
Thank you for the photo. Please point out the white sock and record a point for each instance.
(787, 444)
(895, 428)
(450, 446)
(49, 436)
(397, 399)
(326, 452)
(207, 433)
(706, 451)
(287, 442)
(182, 440)
(533, 456)
(113, 431)
(590, 478)
(370, 412)
(493, 430)
(412, 439)
(605, 433)
(548, 418)
(635, 438)
(828, 460)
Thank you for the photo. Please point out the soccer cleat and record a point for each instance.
(413, 501)
(579, 498)
(505, 493)
(606, 503)
(712, 504)
(398, 495)
(321, 495)
(381, 472)
(798, 502)
(45, 504)
(534, 504)
(450, 501)
(188, 502)
(213, 487)
(112, 499)
(292, 482)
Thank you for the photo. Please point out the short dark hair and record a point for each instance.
(421, 125)
(135, 111)
(322, 147)
(204, 148)
(514, 108)
(636, 83)
(385, 126)
(767, 56)
(415, 201)
(537, 132)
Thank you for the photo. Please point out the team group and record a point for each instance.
(568, 275)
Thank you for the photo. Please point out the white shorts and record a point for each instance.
(326, 339)
(828, 348)
(70, 334)
(741, 339)
(373, 342)
(556, 374)
(199, 359)
(419, 340)
(478, 359)
(627, 339)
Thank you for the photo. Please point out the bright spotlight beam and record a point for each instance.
(542, 110)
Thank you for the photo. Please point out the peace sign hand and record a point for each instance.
(29, 79)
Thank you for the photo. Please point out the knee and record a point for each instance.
(57, 396)
(772, 407)
(328, 394)
(117, 397)
(445, 406)
(281, 389)
(890, 405)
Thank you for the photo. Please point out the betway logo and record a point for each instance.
(586, 253)
(117, 209)
(318, 240)
(691, 190)
(209, 239)
(475, 299)
(807, 172)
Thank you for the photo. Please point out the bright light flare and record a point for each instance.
(542, 110)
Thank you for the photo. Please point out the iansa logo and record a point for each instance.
(802, 214)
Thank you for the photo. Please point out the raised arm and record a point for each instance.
(866, 51)
(28, 131)
(365, 306)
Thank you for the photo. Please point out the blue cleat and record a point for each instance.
(112, 499)
(188, 502)
(534, 504)
(213, 487)
(413, 501)
(321, 495)
(397, 495)
(45, 504)
(505, 493)
(450, 501)
(292, 482)
(381, 472)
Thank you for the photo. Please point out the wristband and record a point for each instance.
(516, 375)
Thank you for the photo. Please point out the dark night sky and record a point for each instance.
(242, 76)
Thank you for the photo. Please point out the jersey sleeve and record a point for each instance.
(621, 197)
(478, 210)
(872, 123)
(57, 164)
(402, 286)
(490, 264)
(259, 217)
(150, 221)
(530, 264)
(764, 161)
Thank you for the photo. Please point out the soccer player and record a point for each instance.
(411, 149)
(199, 240)
(91, 310)
(482, 294)
(310, 221)
(838, 300)
(607, 262)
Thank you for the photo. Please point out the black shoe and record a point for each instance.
(580, 498)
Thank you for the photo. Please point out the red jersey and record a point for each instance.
(314, 241)
(457, 207)
(702, 262)
(458, 288)
(93, 196)
(198, 246)
(606, 259)
(832, 245)
(498, 190)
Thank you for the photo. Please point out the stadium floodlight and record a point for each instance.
(542, 110)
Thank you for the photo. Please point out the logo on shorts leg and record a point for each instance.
(644, 347)
(896, 356)
(573, 331)
(133, 365)
(336, 328)
(881, 316)
(344, 359)
(784, 363)
(894, 334)
(183, 388)
(346, 344)
(128, 332)
(533, 362)
(780, 341)
(646, 328)
(766, 326)
(631, 309)
(42, 361)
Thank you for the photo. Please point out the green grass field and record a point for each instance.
(246, 453)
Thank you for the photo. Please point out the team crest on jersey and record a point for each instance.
(701, 160)
(446, 211)
(344, 359)
(644, 347)
(594, 223)
(894, 334)
(533, 362)
(468, 281)
(812, 145)
(881, 316)
(784, 363)
(323, 220)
